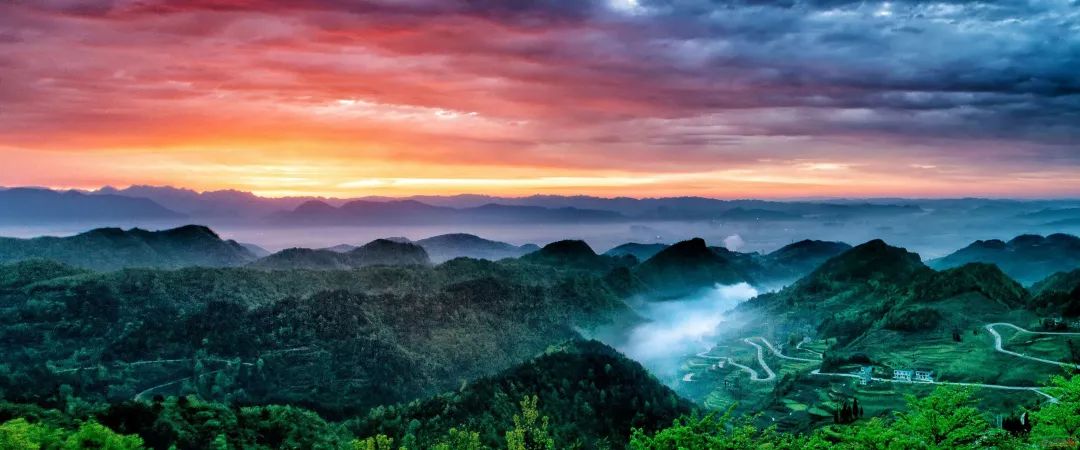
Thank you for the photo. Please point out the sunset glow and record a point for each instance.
(610, 98)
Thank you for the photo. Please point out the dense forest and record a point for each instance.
(376, 348)
(946, 419)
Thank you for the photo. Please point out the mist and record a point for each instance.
(677, 328)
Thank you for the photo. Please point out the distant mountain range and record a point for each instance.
(211, 204)
(400, 212)
(30, 205)
(22, 205)
(1027, 258)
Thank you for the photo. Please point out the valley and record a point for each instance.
(358, 335)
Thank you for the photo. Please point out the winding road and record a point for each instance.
(754, 376)
(998, 343)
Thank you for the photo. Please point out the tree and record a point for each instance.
(380, 442)
(460, 440)
(530, 430)
(95, 435)
(716, 433)
(1059, 421)
(18, 434)
(945, 419)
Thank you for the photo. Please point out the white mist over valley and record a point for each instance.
(677, 328)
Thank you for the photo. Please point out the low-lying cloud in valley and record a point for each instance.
(680, 327)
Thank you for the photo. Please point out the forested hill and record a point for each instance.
(593, 395)
(377, 252)
(113, 248)
(336, 341)
(589, 395)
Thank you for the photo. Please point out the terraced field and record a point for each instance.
(798, 396)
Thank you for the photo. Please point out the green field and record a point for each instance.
(798, 400)
(1052, 347)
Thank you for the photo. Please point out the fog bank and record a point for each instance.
(677, 328)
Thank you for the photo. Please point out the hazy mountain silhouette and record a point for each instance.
(1027, 258)
(29, 205)
(211, 204)
(449, 246)
(364, 212)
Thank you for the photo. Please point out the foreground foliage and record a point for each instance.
(946, 419)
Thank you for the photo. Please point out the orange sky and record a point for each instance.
(301, 98)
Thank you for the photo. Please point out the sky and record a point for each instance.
(751, 98)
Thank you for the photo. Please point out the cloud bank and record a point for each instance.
(675, 92)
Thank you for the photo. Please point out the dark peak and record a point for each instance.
(459, 239)
(872, 260)
(687, 251)
(640, 251)
(688, 266)
(877, 248)
(105, 231)
(875, 245)
(387, 244)
(984, 278)
(1063, 239)
(568, 248)
(191, 231)
(994, 244)
(1027, 240)
(457, 236)
(976, 268)
(570, 253)
(812, 245)
(695, 243)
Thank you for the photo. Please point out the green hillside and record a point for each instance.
(377, 252)
(593, 395)
(686, 267)
(335, 341)
(113, 248)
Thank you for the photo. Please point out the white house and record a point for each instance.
(902, 375)
(924, 375)
(866, 374)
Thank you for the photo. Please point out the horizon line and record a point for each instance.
(99, 191)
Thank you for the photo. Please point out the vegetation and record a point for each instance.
(339, 342)
(113, 248)
(945, 419)
(594, 394)
(1027, 258)
(377, 252)
(375, 348)
(685, 267)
